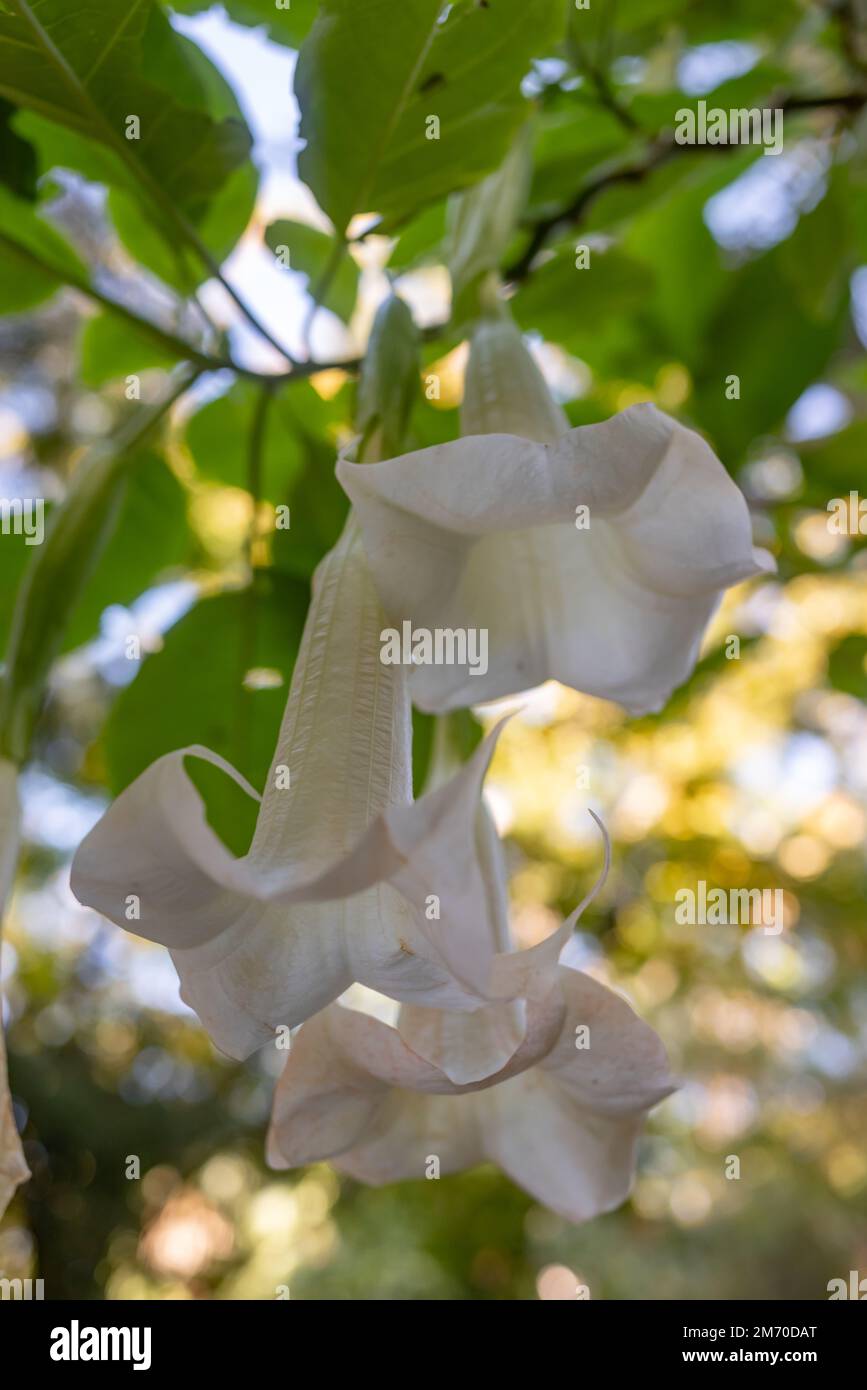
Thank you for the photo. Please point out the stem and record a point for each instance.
(249, 627)
(179, 347)
(255, 458)
(321, 288)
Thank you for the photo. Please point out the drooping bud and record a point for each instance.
(389, 381)
(504, 391)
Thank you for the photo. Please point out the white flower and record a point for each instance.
(346, 880)
(13, 1169)
(594, 556)
(552, 1082)
(561, 1117)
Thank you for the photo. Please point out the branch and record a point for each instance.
(178, 347)
(172, 216)
(658, 152)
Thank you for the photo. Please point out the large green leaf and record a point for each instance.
(318, 507)
(194, 691)
(192, 78)
(775, 338)
(573, 136)
(218, 436)
(482, 222)
(150, 537)
(833, 464)
(761, 335)
(18, 162)
(34, 257)
(818, 279)
(422, 239)
(307, 250)
(58, 571)
(110, 348)
(183, 70)
(84, 72)
(15, 554)
(671, 239)
(594, 312)
(847, 666)
(372, 73)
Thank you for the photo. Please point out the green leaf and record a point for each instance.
(185, 70)
(573, 136)
(149, 538)
(592, 312)
(671, 239)
(447, 739)
(218, 436)
(818, 279)
(86, 77)
(367, 122)
(305, 249)
(110, 347)
(847, 666)
(193, 691)
(763, 334)
(421, 239)
(18, 163)
(56, 574)
(15, 554)
(318, 509)
(59, 571)
(831, 465)
(482, 221)
(225, 220)
(35, 258)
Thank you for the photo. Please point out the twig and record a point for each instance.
(178, 347)
(658, 152)
(162, 201)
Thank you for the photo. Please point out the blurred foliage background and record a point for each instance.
(705, 262)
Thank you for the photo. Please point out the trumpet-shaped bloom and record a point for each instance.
(551, 1080)
(13, 1169)
(594, 556)
(346, 879)
(561, 1117)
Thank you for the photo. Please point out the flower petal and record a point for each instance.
(338, 883)
(13, 1169)
(575, 1161)
(563, 1122)
(623, 1068)
(481, 533)
(352, 1082)
(524, 973)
